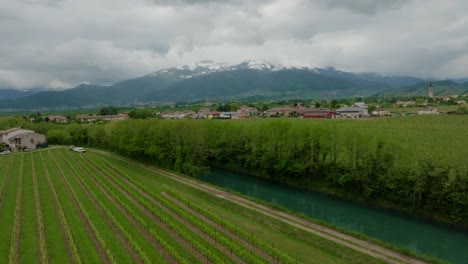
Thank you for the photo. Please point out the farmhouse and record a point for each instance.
(247, 110)
(18, 138)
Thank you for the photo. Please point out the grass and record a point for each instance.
(63, 176)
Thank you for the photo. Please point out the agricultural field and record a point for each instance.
(59, 206)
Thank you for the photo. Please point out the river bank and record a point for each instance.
(404, 233)
(317, 186)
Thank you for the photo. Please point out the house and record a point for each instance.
(17, 138)
(227, 115)
(380, 112)
(352, 112)
(280, 111)
(56, 119)
(427, 111)
(247, 110)
(214, 114)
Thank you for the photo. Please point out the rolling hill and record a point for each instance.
(440, 88)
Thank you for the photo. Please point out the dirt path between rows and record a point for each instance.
(357, 244)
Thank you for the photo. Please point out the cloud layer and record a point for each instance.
(61, 43)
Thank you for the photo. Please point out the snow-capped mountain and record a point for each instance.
(189, 71)
(206, 80)
(208, 66)
(259, 65)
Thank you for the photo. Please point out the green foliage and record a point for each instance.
(108, 111)
(416, 163)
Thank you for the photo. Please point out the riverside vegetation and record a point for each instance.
(417, 164)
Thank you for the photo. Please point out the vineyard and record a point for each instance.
(58, 206)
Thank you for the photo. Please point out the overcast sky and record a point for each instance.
(62, 43)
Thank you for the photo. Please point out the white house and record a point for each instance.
(15, 138)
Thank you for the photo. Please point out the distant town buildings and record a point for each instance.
(380, 112)
(352, 112)
(93, 118)
(427, 111)
(56, 119)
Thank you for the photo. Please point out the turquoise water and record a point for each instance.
(422, 236)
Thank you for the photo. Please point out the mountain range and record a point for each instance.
(207, 80)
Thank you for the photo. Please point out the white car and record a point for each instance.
(6, 152)
(79, 149)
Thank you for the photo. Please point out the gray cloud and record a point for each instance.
(365, 6)
(48, 43)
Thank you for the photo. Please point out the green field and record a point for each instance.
(58, 206)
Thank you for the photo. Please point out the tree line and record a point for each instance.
(315, 155)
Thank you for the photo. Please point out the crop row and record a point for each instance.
(163, 217)
(260, 244)
(113, 218)
(5, 180)
(70, 240)
(97, 234)
(13, 255)
(208, 230)
(146, 224)
(173, 224)
(40, 224)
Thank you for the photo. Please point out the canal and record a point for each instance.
(421, 236)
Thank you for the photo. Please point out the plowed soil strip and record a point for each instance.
(109, 222)
(360, 245)
(209, 239)
(101, 250)
(15, 237)
(223, 230)
(59, 212)
(5, 182)
(43, 256)
(166, 228)
(140, 228)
